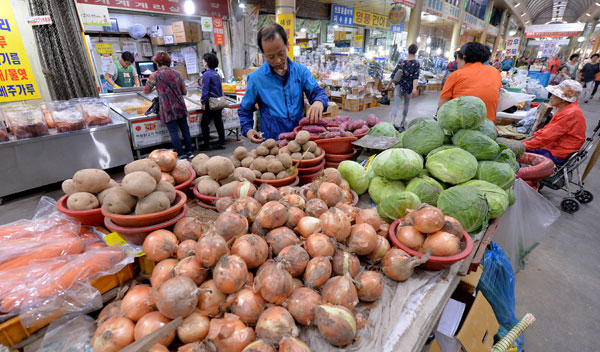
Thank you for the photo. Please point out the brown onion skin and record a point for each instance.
(369, 285)
(363, 239)
(392, 263)
(177, 297)
(331, 193)
(210, 299)
(247, 305)
(150, 322)
(138, 302)
(194, 328)
(162, 272)
(253, 249)
(191, 267)
(189, 228)
(335, 329)
(113, 309)
(259, 346)
(315, 207)
(274, 283)
(280, 238)
(307, 226)
(244, 187)
(164, 158)
(294, 215)
(294, 259)
(340, 290)
(384, 229)
(453, 226)
(293, 344)
(158, 348)
(297, 283)
(266, 193)
(345, 262)
(442, 244)
(319, 245)
(160, 245)
(369, 216)
(274, 324)
(345, 185)
(186, 248)
(318, 271)
(428, 219)
(410, 237)
(332, 175)
(348, 209)
(230, 273)
(223, 203)
(287, 190)
(113, 334)
(302, 303)
(230, 225)
(334, 223)
(293, 200)
(210, 249)
(230, 334)
(247, 207)
(272, 215)
(381, 248)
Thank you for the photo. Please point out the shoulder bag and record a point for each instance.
(217, 103)
(399, 73)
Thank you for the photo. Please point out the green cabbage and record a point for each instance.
(507, 156)
(355, 174)
(452, 165)
(398, 164)
(384, 129)
(465, 204)
(516, 146)
(461, 113)
(426, 188)
(394, 205)
(512, 197)
(488, 128)
(370, 174)
(439, 149)
(496, 197)
(476, 143)
(423, 136)
(500, 174)
(400, 143)
(380, 187)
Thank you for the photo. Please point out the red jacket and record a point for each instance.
(564, 135)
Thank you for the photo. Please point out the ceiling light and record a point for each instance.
(587, 14)
(438, 51)
(303, 29)
(242, 5)
(581, 39)
(517, 5)
(527, 22)
(523, 14)
(428, 40)
(335, 26)
(189, 7)
(512, 32)
(598, 4)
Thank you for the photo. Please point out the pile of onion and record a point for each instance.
(318, 271)
(151, 322)
(189, 228)
(113, 334)
(294, 259)
(210, 249)
(340, 290)
(247, 207)
(280, 238)
(194, 328)
(273, 214)
(336, 323)
(177, 297)
(274, 283)
(160, 244)
(247, 305)
(336, 224)
(138, 302)
(302, 303)
(230, 273)
(230, 225)
(274, 324)
(315, 207)
(369, 285)
(266, 193)
(230, 334)
(253, 249)
(211, 300)
(345, 262)
(307, 226)
(319, 245)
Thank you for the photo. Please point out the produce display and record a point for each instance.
(87, 189)
(67, 116)
(95, 111)
(26, 121)
(300, 147)
(332, 127)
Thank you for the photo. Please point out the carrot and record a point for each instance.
(99, 244)
(69, 245)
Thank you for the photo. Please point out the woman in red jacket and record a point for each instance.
(565, 133)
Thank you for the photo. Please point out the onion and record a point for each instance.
(302, 303)
(347, 196)
(230, 225)
(274, 324)
(160, 244)
(151, 322)
(293, 344)
(331, 175)
(191, 267)
(294, 216)
(348, 209)
(330, 193)
(340, 290)
(166, 177)
(336, 324)
(192, 347)
(244, 189)
(166, 159)
(158, 348)
(210, 249)
(399, 265)
(177, 297)
(380, 250)
(247, 305)
(293, 200)
(271, 215)
(294, 259)
(230, 273)
(280, 238)
(223, 203)
(345, 185)
(259, 346)
(230, 334)
(113, 309)
(274, 283)
(442, 244)
(345, 262)
(138, 302)
(186, 248)
(336, 224)
(315, 207)
(453, 226)
(369, 216)
(253, 249)
(287, 190)
(257, 230)
(363, 239)
(370, 285)
(297, 284)
(247, 207)
(428, 219)
(307, 226)
(162, 272)
(266, 193)
(113, 335)
(194, 328)
(319, 245)
(189, 228)
(384, 229)
(211, 299)
(410, 237)
(318, 271)
(249, 280)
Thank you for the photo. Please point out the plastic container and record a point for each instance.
(311, 169)
(93, 217)
(332, 164)
(26, 121)
(338, 158)
(96, 111)
(338, 145)
(297, 129)
(185, 187)
(4, 137)
(434, 262)
(281, 182)
(148, 219)
(308, 178)
(204, 198)
(310, 162)
(66, 115)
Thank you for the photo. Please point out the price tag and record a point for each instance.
(114, 239)
(104, 48)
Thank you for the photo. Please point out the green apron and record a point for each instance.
(124, 76)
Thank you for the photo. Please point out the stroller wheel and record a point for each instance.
(584, 196)
(569, 205)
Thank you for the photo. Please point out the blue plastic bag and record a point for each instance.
(497, 284)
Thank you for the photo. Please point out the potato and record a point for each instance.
(270, 157)
(294, 147)
(139, 183)
(274, 150)
(244, 174)
(68, 186)
(235, 161)
(296, 156)
(286, 160)
(247, 161)
(180, 174)
(198, 164)
(219, 167)
(227, 180)
(227, 190)
(196, 181)
(284, 150)
(146, 165)
(283, 174)
(257, 174)
(153, 203)
(166, 177)
(262, 150)
(208, 187)
(269, 143)
(82, 201)
(91, 180)
(274, 166)
(103, 194)
(184, 163)
(268, 176)
(205, 177)
(308, 156)
(240, 153)
(112, 184)
(168, 189)
(259, 164)
(311, 146)
(318, 151)
(198, 158)
(253, 153)
(302, 137)
(117, 201)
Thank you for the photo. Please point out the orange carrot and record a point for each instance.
(66, 246)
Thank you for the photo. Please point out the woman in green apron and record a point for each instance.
(123, 73)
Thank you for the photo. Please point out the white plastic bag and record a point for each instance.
(507, 99)
(65, 335)
(523, 225)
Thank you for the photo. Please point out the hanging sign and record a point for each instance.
(434, 7)
(358, 38)
(512, 45)
(397, 28)
(286, 20)
(342, 15)
(39, 20)
(218, 30)
(397, 15)
(451, 12)
(16, 77)
(206, 24)
(554, 30)
(104, 48)
(217, 8)
(409, 3)
(93, 15)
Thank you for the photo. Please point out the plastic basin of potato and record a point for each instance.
(308, 178)
(136, 235)
(304, 189)
(332, 164)
(297, 129)
(338, 158)
(434, 262)
(184, 187)
(93, 217)
(310, 163)
(281, 182)
(148, 219)
(204, 198)
(338, 145)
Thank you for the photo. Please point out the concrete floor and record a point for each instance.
(558, 285)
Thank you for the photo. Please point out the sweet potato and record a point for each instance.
(304, 122)
(314, 128)
(288, 135)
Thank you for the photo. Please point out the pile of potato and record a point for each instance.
(87, 189)
(173, 171)
(301, 146)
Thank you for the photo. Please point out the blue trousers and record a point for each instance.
(174, 127)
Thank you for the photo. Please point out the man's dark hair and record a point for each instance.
(460, 55)
(412, 49)
(561, 67)
(127, 56)
(270, 32)
(211, 60)
(597, 55)
(475, 52)
(573, 56)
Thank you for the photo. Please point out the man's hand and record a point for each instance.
(414, 92)
(203, 108)
(315, 112)
(254, 136)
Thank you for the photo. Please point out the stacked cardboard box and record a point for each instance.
(185, 32)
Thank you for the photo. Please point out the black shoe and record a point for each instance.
(205, 148)
(585, 101)
(399, 128)
(219, 147)
(190, 155)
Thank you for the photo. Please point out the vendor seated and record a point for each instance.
(565, 133)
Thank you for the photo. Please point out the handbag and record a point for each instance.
(219, 103)
(399, 73)
(384, 100)
(154, 107)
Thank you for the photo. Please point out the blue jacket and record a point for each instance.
(211, 86)
(281, 108)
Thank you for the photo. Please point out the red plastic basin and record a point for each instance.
(185, 187)
(338, 145)
(308, 178)
(93, 217)
(148, 219)
(338, 158)
(281, 182)
(304, 163)
(312, 169)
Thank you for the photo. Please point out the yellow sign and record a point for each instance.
(365, 18)
(358, 38)
(104, 48)
(16, 77)
(286, 20)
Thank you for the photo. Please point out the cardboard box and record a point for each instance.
(157, 40)
(184, 26)
(166, 30)
(332, 109)
(182, 71)
(469, 282)
(185, 37)
(354, 104)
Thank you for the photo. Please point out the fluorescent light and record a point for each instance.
(523, 14)
(598, 4)
(428, 40)
(517, 5)
(438, 51)
(303, 29)
(189, 7)
(587, 14)
(242, 5)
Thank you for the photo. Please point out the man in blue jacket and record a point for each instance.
(277, 87)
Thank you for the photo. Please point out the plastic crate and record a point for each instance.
(12, 332)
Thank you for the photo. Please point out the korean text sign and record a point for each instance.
(286, 20)
(342, 15)
(16, 77)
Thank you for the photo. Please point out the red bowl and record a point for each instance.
(308, 178)
(204, 198)
(338, 145)
(93, 217)
(434, 262)
(311, 169)
(360, 135)
(148, 219)
(205, 205)
(338, 158)
(281, 182)
(297, 129)
(184, 187)
(332, 164)
(136, 235)
(310, 162)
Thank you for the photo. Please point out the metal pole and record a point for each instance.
(455, 41)
(488, 12)
(414, 23)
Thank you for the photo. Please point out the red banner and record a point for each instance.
(218, 31)
(216, 8)
(550, 34)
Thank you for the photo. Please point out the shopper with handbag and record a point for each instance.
(213, 101)
(405, 78)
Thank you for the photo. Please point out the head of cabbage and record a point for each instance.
(355, 174)
(452, 165)
(465, 204)
(476, 143)
(423, 136)
(495, 196)
(439, 149)
(385, 129)
(397, 164)
(512, 197)
(461, 113)
(380, 187)
(488, 128)
(500, 174)
(394, 205)
(508, 156)
(426, 188)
